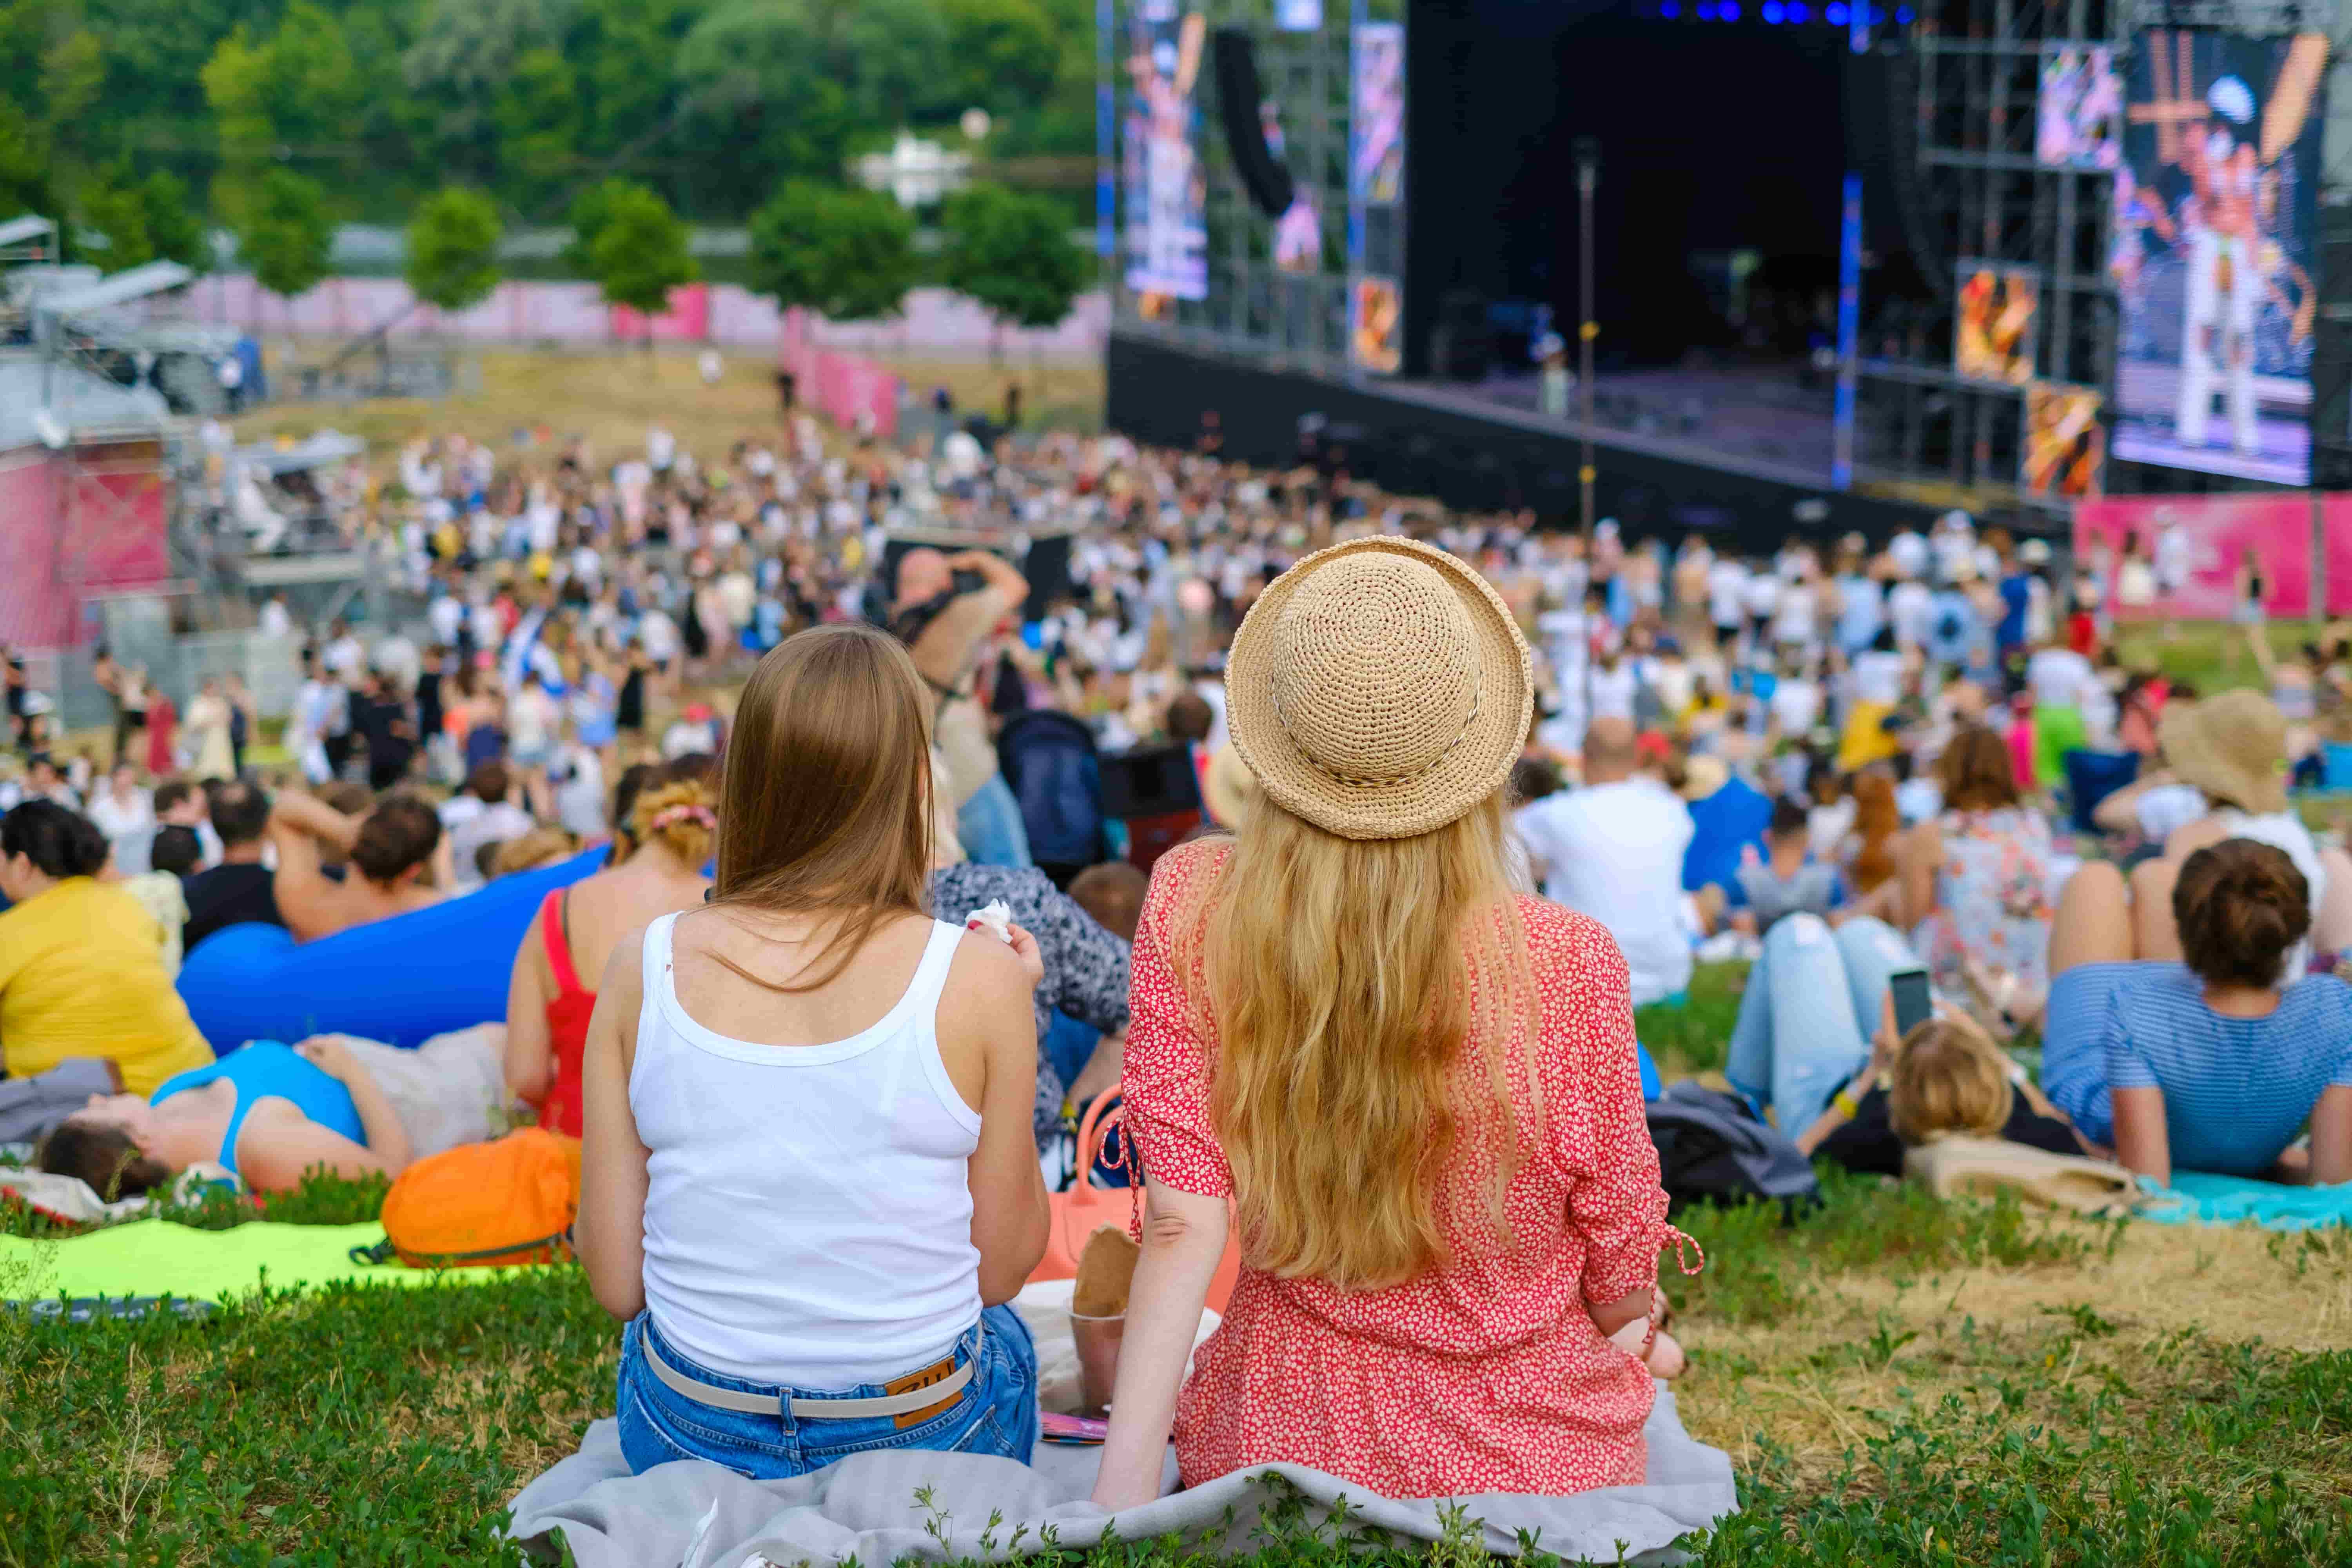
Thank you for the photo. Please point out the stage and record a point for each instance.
(1484, 446)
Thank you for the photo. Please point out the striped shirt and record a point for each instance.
(2236, 1091)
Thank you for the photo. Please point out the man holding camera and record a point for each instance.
(946, 609)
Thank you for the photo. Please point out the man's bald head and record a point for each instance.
(1610, 750)
(923, 574)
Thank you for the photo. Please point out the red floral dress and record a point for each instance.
(1487, 1375)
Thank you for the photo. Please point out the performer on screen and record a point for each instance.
(2225, 284)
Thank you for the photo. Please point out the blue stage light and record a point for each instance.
(1669, 8)
(1775, 13)
(1798, 11)
(1837, 13)
(1903, 15)
(1877, 17)
(1705, 10)
(1728, 10)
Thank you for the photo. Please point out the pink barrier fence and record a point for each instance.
(2217, 534)
(852, 391)
(934, 321)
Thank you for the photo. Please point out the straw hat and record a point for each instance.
(2231, 746)
(1703, 775)
(1379, 690)
(1227, 787)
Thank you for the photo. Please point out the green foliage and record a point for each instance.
(328, 1425)
(286, 235)
(382, 101)
(1003, 55)
(297, 85)
(1011, 252)
(141, 221)
(453, 249)
(636, 250)
(848, 255)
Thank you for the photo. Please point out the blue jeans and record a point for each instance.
(991, 827)
(1807, 1016)
(995, 1413)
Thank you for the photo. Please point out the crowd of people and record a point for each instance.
(1436, 802)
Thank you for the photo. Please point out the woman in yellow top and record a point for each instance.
(82, 967)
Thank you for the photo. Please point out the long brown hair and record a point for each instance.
(1877, 821)
(1344, 980)
(825, 807)
(1976, 771)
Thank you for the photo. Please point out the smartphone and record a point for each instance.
(1913, 1005)
(1057, 1428)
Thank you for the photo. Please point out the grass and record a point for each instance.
(613, 397)
(1898, 1381)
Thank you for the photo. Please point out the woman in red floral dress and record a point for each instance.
(1418, 1090)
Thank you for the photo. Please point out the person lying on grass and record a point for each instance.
(807, 1173)
(2215, 1063)
(268, 1112)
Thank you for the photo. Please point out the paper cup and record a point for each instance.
(1097, 1341)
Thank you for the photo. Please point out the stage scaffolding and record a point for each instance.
(1977, 195)
(1279, 319)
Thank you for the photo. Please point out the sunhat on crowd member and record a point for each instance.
(2232, 748)
(1376, 701)
(1476, 1210)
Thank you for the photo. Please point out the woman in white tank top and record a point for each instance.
(808, 1179)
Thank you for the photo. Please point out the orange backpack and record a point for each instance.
(478, 1205)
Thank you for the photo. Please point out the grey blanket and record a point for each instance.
(699, 1515)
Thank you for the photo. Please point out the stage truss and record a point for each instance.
(1283, 319)
(1980, 197)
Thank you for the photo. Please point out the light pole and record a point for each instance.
(1588, 177)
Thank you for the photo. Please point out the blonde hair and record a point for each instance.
(1948, 1077)
(1341, 979)
(827, 807)
(540, 846)
(678, 816)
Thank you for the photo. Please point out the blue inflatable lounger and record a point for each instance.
(401, 981)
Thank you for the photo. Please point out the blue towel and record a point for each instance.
(2238, 1200)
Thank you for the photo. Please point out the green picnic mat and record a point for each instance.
(155, 1257)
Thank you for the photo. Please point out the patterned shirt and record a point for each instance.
(1486, 1373)
(1086, 966)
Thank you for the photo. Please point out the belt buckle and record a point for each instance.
(937, 1372)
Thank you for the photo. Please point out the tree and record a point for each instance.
(847, 254)
(141, 221)
(1002, 54)
(586, 215)
(1011, 253)
(175, 231)
(453, 249)
(638, 253)
(286, 237)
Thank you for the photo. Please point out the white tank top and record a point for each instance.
(808, 1212)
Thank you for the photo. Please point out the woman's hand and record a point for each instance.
(330, 1057)
(1024, 948)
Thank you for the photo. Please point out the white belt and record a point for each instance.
(881, 1405)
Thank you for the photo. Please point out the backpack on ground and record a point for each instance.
(1712, 1149)
(483, 1204)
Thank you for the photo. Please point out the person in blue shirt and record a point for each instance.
(2016, 599)
(2213, 1064)
(1728, 815)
